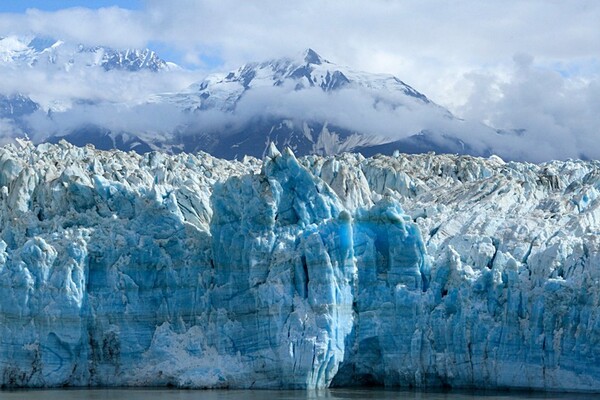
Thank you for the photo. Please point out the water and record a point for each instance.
(173, 394)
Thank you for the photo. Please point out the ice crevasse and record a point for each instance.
(187, 270)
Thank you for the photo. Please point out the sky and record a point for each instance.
(513, 64)
(20, 6)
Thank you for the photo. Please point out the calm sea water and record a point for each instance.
(166, 394)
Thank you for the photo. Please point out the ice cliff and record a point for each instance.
(186, 270)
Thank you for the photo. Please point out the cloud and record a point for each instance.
(429, 43)
(112, 26)
(357, 109)
(142, 121)
(390, 116)
(56, 87)
(9, 130)
(544, 114)
(558, 114)
(417, 40)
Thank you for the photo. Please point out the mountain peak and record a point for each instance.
(311, 57)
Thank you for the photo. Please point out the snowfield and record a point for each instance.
(423, 270)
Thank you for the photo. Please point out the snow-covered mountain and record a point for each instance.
(224, 91)
(74, 75)
(187, 270)
(44, 52)
(306, 129)
(306, 103)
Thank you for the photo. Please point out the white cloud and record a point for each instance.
(429, 43)
(115, 117)
(56, 87)
(111, 26)
(558, 113)
(8, 131)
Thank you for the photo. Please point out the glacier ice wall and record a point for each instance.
(186, 270)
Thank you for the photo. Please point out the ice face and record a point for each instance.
(121, 269)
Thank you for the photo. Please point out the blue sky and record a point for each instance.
(19, 6)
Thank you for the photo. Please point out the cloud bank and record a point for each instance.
(556, 114)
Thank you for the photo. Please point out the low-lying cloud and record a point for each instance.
(556, 114)
(357, 109)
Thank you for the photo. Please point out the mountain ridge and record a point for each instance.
(35, 50)
(307, 103)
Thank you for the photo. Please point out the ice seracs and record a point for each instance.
(426, 270)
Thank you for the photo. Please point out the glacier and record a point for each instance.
(425, 270)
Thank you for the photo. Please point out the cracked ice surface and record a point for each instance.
(423, 270)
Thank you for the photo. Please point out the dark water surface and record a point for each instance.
(173, 394)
